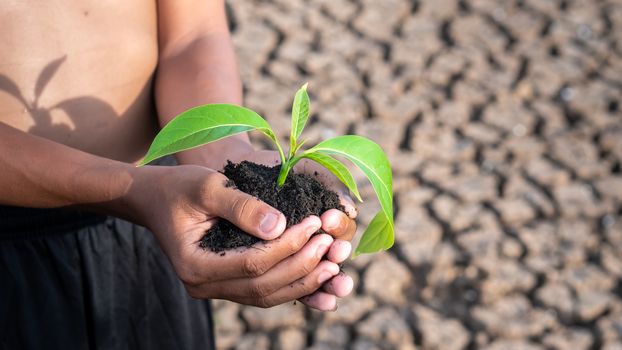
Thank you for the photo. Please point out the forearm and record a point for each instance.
(204, 71)
(37, 172)
(201, 71)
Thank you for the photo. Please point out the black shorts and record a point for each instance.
(71, 280)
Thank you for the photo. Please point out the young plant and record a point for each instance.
(203, 124)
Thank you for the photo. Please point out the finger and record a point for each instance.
(321, 301)
(206, 266)
(339, 286)
(348, 204)
(339, 251)
(304, 286)
(282, 274)
(243, 210)
(338, 224)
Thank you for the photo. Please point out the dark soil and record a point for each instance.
(300, 197)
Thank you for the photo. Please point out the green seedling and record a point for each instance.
(203, 124)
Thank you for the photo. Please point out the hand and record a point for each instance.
(180, 203)
(340, 226)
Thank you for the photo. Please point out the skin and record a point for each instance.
(77, 112)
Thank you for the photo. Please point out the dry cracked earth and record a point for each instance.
(503, 123)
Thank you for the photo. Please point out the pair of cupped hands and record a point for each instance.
(292, 264)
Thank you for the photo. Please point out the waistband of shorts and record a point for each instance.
(25, 223)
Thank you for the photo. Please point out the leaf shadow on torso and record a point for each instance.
(86, 113)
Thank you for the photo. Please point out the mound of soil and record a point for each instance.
(300, 196)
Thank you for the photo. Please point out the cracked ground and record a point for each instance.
(503, 124)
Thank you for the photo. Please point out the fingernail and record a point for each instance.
(311, 230)
(321, 250)
(268, 223)
(333, 224)
(324, 276)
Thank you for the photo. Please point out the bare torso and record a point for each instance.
(80, 73)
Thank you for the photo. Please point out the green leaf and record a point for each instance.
(300, 114)
(203, 124)
(335, 167)
(379, 233)
(298, 146)
(372, 160)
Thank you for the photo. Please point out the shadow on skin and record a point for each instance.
(86, 113)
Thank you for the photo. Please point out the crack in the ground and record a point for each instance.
(444, 33)
(406, 143)
(504, 31)
(272, 54)
(522, 72)
(231, 18)
(507, 229)
(546, 27)
(436, 187)
(544, 190)
(464, 7)
(448, 89)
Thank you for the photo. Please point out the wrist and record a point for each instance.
(141, 194)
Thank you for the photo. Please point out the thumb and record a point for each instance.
(250, 214)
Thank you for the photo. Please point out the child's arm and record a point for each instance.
(197, 65)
